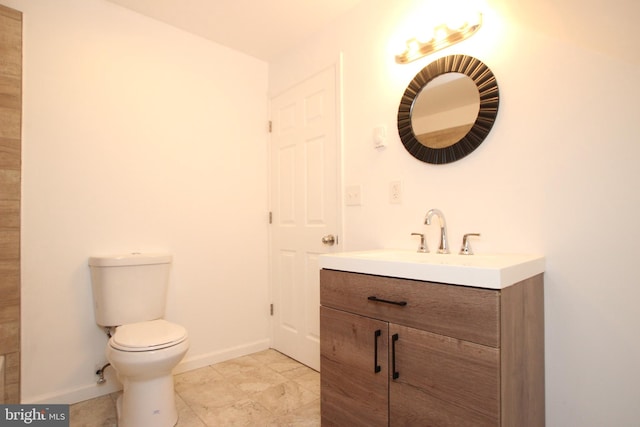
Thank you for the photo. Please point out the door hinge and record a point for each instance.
(270, 126)
(270, 217)
(271, 309)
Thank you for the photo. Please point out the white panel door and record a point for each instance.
(304, 204)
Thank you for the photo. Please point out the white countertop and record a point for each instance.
(492, 271)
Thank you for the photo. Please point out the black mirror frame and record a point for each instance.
(487, 86)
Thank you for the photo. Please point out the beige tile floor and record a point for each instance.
(261, 389)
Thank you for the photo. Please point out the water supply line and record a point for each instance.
(100, 374)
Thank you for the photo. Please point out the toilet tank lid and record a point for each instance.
(134, 258)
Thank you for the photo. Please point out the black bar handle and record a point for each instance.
(394, 338)
(386, 301)
(376, 368)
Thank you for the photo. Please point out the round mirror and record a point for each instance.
(448, 109)
(445, 110)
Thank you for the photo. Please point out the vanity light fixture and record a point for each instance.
(441, 36)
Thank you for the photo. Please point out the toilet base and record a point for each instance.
(147, 403)
(148, 398)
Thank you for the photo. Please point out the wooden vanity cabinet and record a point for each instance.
(409, 353)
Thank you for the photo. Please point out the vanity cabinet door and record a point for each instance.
(354, 365)
(442, 381)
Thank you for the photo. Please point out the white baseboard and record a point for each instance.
(70, 396)
(93, 390)
(200, 361)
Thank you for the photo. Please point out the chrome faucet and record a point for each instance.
(444, 247)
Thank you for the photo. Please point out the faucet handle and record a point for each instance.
(423, 243)
(466, 248)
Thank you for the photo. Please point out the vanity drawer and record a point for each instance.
(466, 313)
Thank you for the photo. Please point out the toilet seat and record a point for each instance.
(147, 336)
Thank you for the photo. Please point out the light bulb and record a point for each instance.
(441, 34)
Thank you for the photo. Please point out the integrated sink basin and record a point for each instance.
(494, 271)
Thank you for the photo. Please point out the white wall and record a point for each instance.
(137, 137)
(557, 175)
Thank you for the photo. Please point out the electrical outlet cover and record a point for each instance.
(395, 192)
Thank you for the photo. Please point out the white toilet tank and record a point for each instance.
(129, 288)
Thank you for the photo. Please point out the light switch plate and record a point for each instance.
(353, 195)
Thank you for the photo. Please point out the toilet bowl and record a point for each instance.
(144, 355)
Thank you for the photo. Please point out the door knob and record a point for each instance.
(329, 239)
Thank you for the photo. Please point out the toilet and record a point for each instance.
(129, 294)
